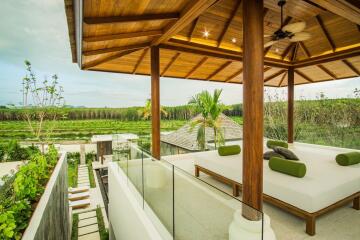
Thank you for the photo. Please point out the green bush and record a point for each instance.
(15, 152)
(2, 152)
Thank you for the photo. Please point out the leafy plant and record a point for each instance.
(15, 152)
(145, 112)
(7, 224)
(2, 152)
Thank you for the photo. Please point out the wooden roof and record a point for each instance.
(116, 36)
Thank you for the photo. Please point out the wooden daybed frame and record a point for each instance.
(310, 218)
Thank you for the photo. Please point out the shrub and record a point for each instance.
(15, 152)
(7, 224)
(2, 152)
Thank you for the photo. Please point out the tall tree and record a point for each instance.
(145, 112)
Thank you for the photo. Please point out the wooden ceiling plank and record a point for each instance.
(352, 67)
(228, 23)
(115, 49)
(122, 36)
(127, 19)
(170, 63)
(222, 67)
(272, 76)
(325, 32)
(108, 59)
(142, 56)
(338, 55)
(287, 50)
(327, 71)
(282, 79)
(341, 8)
(237, 73)
(193, 27)
(197, 66)
(190, 12)
(303, 76)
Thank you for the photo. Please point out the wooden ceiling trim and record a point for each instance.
(233, 76)
(170, 63)
(287, 50)
(122, 36)
(307, 78)
(274, 75)
(228, 23)
(107, 59)
(325, 32)
(115, 49)
(142, 56)
(191, 11)
(352, 67)
(193, 27)
(202, 61)
(294, 52)
(282, 79)
(341, 8)
(338, 55)
(217, 71)
(128, 19)
(327, 71)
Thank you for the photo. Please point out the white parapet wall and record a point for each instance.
(127, 218)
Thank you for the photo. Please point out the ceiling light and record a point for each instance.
(233, 40)
(276, 50)
(206, 33)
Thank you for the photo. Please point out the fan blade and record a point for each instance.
(301, 36)
(268, 44)
(267, 35)
(294, 27)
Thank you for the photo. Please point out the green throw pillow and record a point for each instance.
(286, 153)
(270, 154)
(229, 150)
(347, 159)
(296, 169)
(276, 143)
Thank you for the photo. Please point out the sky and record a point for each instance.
(36, 30)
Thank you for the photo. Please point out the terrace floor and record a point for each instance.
(339, 224)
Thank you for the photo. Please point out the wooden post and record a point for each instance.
(291, 105)
(253, 101)
(155, 102)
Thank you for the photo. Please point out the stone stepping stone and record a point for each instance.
(87, 221)
(78, 189)
(83, 178)
(88, 229)
(83, 182)
(87, 215)
(84, 185)
(91, 236)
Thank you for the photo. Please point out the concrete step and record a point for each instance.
(79, 204)
(78, 189)
(87, 221)
(87, 215)
(88, 229)
(78, 196)
(91, 236)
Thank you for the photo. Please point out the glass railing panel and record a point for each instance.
(202, 212)
(158, 194)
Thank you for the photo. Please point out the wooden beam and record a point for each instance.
(202, 61)
(290, 115)
(287, 20)
(282, 79)
(294, 52)
(287, 50)
(142, 56)
(341, 8)
(307, 78)
(206, 50)
(352, 67)
(327, 71)
(170, 63)
(122, 36)
(272, 76)
(115, 49)
(190, 12)
(305, 50)
(107, 59)
(193, 27)
(325, 32)
(155, 102)
(237, 73)
(128, 19)
(228, 23)
(266, 50)
(338, 55)
(253, 103)
(222, 67)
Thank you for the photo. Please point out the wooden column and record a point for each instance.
(291, 105)
(253, 101)
(155, 102)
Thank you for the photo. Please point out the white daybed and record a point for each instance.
(325, 186)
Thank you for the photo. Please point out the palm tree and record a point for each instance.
(146, 111)
(210, 109)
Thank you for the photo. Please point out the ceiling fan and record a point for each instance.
(293, 32)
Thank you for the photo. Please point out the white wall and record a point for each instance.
(127, 218)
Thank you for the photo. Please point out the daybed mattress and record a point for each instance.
(325, 181)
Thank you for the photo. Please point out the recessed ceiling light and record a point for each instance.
(206, 33)
(276, 50)
(233, 40)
